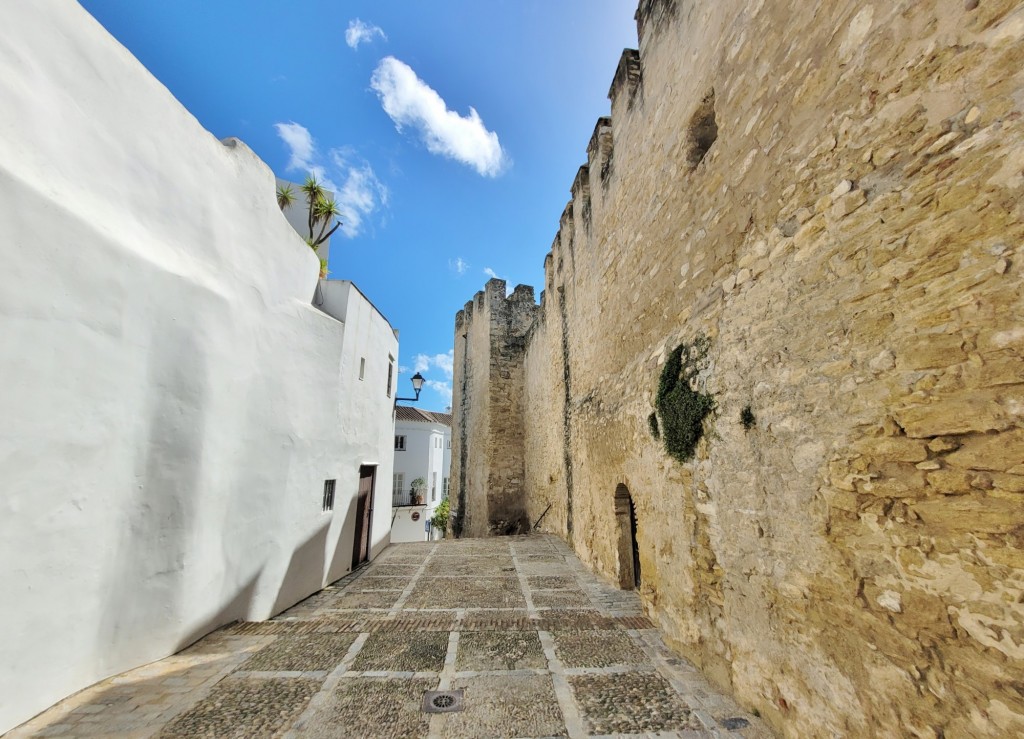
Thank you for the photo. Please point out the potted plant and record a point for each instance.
(416, 488)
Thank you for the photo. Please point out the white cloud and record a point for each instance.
(492, 274)
(299, 142)
(458, 265)
(444, 389)
(443, 362)
(359, 32)
(360, 193)
(410, 101)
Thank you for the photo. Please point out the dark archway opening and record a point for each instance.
(628, 549)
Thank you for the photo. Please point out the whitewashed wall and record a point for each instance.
(404, 528)
(423, 456)
(170, 402)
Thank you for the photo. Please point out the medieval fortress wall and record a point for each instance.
(833, 195)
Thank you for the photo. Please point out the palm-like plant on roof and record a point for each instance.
(322, 212)
(326, 215)
(285, 196)
(323, 216)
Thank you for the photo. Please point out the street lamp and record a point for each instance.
(417, 385)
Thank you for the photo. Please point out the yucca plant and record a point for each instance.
(285, 196)
(322, 212)
(323, 216)
(326, 213)
(313, 192)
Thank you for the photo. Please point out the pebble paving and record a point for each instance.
(540, 646)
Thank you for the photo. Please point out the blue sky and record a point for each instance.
(452, 130)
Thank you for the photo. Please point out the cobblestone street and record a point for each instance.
(537, 645)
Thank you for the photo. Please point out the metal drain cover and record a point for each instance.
(442, 701)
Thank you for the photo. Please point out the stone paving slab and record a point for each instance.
(539, 645)
(500, 650)
(403, 652)
(597, 649)
(395, 704)
(506, 706)
(300, 653)
(631, 703)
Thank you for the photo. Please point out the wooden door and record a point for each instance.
(364, 516)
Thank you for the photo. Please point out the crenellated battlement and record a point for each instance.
(652, 15)
(628, 81)
(599, 150)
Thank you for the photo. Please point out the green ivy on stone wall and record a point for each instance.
(680, 408)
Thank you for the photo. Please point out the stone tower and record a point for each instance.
(490, 341)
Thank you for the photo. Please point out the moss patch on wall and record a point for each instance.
(680, 408)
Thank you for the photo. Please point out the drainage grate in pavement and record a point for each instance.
(442, 701)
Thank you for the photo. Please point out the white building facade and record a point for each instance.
(187, 440)
(423, 450)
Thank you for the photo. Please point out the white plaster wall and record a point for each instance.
(364, 408)
(404, 529)
(423, 456)
(446, 458)
(171, 401)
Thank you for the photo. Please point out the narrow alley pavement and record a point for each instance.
(521, 640)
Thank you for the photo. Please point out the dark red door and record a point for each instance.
(364, 513)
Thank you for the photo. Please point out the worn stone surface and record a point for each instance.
(244, 708)
(597, 649)
(403, 653)
(630, 703)
(493, 592)
(503, 650)
(507, 706)
(375, 708)
(316, 671)
(849, 240)
(366, 599)
(301, 653)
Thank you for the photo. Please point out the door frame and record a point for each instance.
(628, 545)
(361, 553)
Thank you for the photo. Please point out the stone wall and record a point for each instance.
(490, 339)
(833, 196)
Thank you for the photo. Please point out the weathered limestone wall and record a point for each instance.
(854, 563)
(490, 339)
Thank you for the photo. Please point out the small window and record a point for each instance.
(391, 374)
(329, 495)
(397, 482)
(449, 443)
(446, 486)
(362, 367)
(399, 443)
(433, 488)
